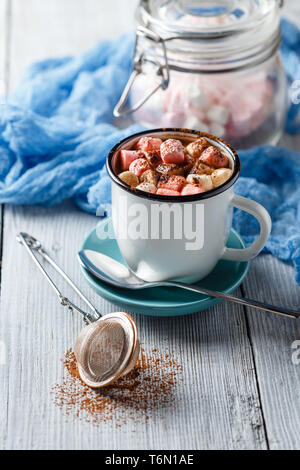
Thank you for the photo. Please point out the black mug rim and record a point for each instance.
(157, 197)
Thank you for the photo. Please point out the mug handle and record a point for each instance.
(264, 219)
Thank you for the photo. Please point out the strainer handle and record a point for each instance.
(31, 245)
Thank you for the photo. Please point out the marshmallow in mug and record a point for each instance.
(172, 167)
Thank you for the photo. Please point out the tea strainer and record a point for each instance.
(108, 347)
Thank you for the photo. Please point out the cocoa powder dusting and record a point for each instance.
(150, 387)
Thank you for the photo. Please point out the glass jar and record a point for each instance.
(210, 65)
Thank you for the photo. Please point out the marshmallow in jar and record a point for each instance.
(211, 66)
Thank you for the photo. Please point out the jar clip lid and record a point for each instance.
(161, 62)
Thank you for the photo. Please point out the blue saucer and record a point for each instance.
(165, 301)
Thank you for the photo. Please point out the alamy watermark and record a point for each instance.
(157, 222)
(296, 353)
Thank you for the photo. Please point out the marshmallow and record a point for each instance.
(191, 190)
(196, 148)
(147, 187)
(129, 178)
(220, 176)
(149, 144)
(218, 114)
(128, 156)
(172, 151)
(172, 119)
(213, 157)
(203, 180)
(198, 97)
(217, 129)
(149, 176)
(175, 183)
(167, 192)
(139, 166)
(193, 123)
(203, 169)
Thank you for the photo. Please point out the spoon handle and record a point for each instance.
(237, 300)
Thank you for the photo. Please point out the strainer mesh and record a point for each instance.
(104, 350)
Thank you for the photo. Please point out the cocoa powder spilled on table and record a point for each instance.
(150, 387)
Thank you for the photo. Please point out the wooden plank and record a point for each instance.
(216, 405)
(272, 338)
(57, 28)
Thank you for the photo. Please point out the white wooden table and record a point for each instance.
(240, 388)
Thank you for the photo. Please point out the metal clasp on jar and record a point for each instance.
(140, 59)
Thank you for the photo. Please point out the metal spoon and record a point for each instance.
(116, 274)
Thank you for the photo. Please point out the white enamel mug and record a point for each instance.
(184, 237)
